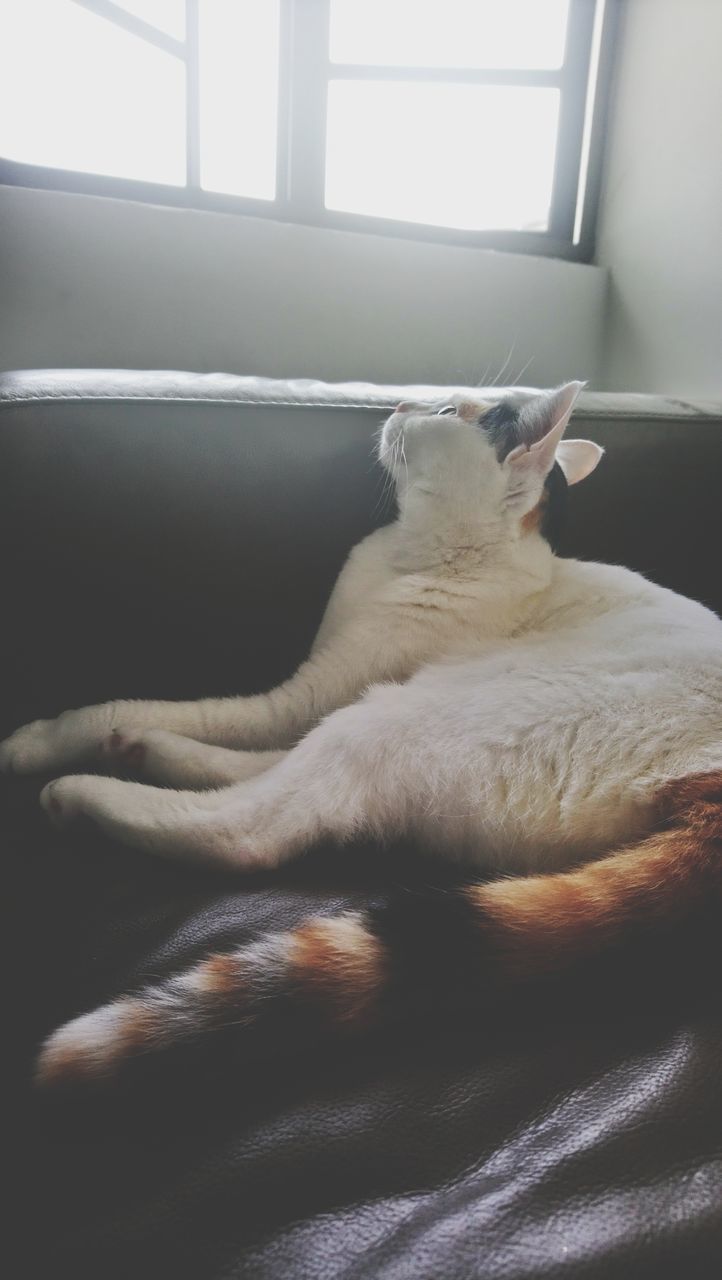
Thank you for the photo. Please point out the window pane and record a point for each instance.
(476, 157)
(239, 96)
(449, 33)
(78, 92)
(168, 15)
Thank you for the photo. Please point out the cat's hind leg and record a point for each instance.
(174, 760)
(172, 823)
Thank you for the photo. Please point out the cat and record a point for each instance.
(468, 690)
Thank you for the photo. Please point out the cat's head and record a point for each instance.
(499, 459)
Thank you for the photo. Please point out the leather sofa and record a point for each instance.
(176, 535)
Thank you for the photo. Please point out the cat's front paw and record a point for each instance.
(123, 750)
(30, 749)
(48, 745)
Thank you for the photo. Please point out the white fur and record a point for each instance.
(466, 687)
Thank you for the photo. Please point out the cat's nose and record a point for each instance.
(404, 407)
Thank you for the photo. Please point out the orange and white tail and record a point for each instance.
(346, 970)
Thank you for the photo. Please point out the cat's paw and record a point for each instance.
(79, 795)
(30, 749)
(62, 800)
(45, 745)
(123, 750)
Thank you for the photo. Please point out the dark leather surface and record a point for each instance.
(173, 536)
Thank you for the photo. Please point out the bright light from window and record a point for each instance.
(78, 92)
(167, 15)
(449, 33)
(239, 96)
(441, 147)
(475, 157)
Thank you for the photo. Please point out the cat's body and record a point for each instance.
(467, 689)
(552, 719)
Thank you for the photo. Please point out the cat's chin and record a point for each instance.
(393, 429)
(392, 433)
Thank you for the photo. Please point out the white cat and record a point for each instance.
(466, 689)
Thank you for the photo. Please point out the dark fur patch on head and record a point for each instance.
(501, 424)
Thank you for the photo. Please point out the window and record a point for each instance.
(462, 120)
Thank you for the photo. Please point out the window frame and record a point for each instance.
(304, 72)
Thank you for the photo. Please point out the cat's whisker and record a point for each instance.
(384, 487)
(404, 460)
(388, 489)
(504, 367)
(515, 382)
(483, 380)
(386, 481)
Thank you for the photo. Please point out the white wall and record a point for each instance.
(661, 215)
(90, 282)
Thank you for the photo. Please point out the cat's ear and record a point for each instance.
(543, 421)
(578, 459)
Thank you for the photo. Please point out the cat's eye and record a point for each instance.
(447, 409)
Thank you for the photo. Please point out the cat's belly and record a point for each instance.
(521, 767)
(516, 820)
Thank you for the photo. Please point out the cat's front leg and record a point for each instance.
(378, 647)
(90, 734)
(273, 720)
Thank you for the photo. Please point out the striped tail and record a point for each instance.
(348, 969)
